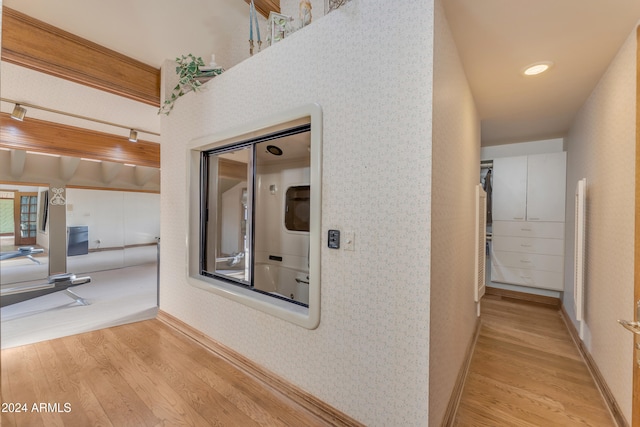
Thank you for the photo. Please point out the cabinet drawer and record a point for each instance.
(553, 263)
(531, 278)
(528, 245)
(548, 230)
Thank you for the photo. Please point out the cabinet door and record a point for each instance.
(546, 182)
(509, 188)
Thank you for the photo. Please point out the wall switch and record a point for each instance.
(334, 239)
(349, 241)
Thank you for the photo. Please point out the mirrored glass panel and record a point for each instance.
(282, 253)
(253, 190)
(227, 227)
(24, 238)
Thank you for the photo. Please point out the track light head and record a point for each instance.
(18, 113)
(133, 136)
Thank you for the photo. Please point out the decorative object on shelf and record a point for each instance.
(334, 4)
(304, 13)
(192, 74)
(253, 17)
(279, 27)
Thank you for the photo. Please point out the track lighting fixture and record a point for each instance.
(18, 113)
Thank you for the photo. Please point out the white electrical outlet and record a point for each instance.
(349, 241)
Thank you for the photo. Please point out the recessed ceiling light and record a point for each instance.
(537, 68)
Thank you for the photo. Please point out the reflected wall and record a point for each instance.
(117, 228)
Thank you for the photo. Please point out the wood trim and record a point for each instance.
(121, 248)
(39, 46)
(456, 394)
(610, 400)
(266, 6)
(54, 138)
(635, 409)
(327, 413)
(232, 169)
(124, 190)
(23, 184)
(524, 297)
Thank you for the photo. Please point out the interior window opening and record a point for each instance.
(256, 192)
(254, 210)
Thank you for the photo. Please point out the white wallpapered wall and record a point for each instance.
(456, 171)
(601, 147)
(370, 355)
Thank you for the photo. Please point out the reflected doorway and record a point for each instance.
(25, 218)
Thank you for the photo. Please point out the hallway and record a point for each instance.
(527, 371)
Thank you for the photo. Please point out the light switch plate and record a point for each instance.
(334, 239)
(349, 241)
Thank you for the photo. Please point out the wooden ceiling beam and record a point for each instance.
(54, 138)
(266, 6)
(37, 45)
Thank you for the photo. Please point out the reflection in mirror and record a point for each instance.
(274, 254)
(228, 253)
(109, 229)
(24, 239)
(282, 253)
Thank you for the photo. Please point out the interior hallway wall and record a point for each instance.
(456, 171)
(369, 357)
(601, 147)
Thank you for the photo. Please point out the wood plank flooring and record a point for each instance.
(527, 371)
(141, 374)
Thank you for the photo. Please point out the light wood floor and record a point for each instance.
(526, 371)
(141, 374)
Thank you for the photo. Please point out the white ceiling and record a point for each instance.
(496, 39)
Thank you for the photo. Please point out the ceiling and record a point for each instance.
(496, 39)
(150, 31)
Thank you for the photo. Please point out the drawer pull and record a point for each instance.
(534, 219)
(524, 245)
(521, 217)
(525, 229)
(526, 261)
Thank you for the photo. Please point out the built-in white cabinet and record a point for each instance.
(546, 182)
(529, 188)
(509, 189)
(528, 220)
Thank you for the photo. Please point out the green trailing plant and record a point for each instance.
(190, 79)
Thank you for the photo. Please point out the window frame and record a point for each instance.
(307, 317)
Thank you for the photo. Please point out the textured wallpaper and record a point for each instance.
(456, 171)
(601, 147)
(370, 355)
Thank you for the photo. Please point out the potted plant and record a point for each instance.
(192, 74)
